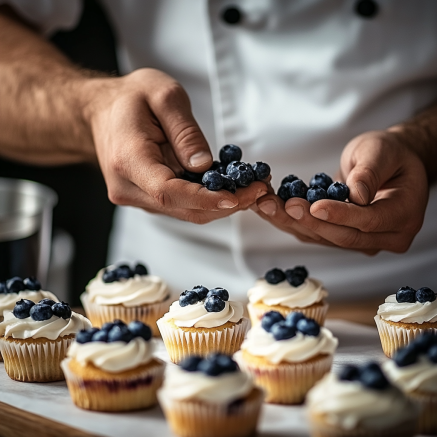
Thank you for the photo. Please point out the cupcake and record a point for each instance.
(286, 292)
(34, 339)
(122, 293)
(414, 370)
(113, 368)
(210, 397)
(404, 316)
(359, 402)
(203, 321)
(286, 357)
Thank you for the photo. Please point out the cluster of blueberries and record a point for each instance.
(115, 331)
(213, 365)
(16, 284)
(410, 295)
(229, 173)
(213, 300)
(123, 271)
(295, 277)
(425, 344)
(320, 187)
(283, 328)
(370, 375)
(45, 309)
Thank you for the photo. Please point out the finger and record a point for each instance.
(249, 195)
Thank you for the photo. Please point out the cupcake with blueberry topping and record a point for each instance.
(359, 402)
(203, 321)
(285, 292)
(113, 368)
(210, 397)
(404, 316)
(125, 293)
(34, 338)
(287, 356)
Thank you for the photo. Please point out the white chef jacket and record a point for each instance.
(291, 84)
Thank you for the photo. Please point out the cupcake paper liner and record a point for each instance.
(35, 360)
(191, 418)
(148, 314)
(428, 406)
(115, 394)
(180, 343)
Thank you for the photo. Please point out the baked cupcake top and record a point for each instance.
(414, 367)
(359, 396)
(215, 379)
(410, 306)
(114, 348)
(294, 339)
(123, 285)
(203, 308)
(292, 288)
(45, 319)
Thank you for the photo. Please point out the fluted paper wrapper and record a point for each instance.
(35, 361)
(190, 418)
(128, 394)
(181, 344)
(427, 403)
(148, 314)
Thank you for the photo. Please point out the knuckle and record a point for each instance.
(167, 95)
(117, 197)
(373, 224)
(162, 198)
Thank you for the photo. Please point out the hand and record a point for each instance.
(145, 135)
(388, 197)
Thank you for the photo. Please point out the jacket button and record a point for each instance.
(366, 8)
(231, 15)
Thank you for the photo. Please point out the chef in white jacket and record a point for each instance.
(307, 86)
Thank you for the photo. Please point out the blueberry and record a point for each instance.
(190, 176)
(31, 283)
(316, 193)
(241, 173)
(229, 184)
(308, 327)
(299, 189)
(47, 301)
(261, 170)
(124, 272)
(227, 364)
(281, 331)
(3, 288)
(432, 353)
(210, 367)
(22, 308)
(293, 318)
(425, 294)
(284, 191)
(274, 276)
(338, 191)
(107, 326)
(220, 292)
(61, 309)
(423, 342)
(405, 356)
(40, 312)
(140, 329)
(85, 335)
(215, 166)
(188, 297)
(270, 318)
(230, 153)
(100, 336)
(213, 304)
(140, 269)
(119, 333)
(15, 285)
(322, 180)
(191, 364)
(296, 276)
(406, 294)
(288, 179)
(371, 376)
(349, 373)
(109, 275)
(213, 180)
(201, 291)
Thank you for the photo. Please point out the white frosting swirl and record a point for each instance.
(416, 312)
(300, 348)
(196, 316)
(113, 357)
(347, 404)
(421, 376)
(8, 300)
(180, 384)
(51, 329)
(308, 293)
(138, 290)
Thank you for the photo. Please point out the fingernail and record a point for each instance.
(363, 192)
(321, 214)
(199, 159)
(295, 211)
(268, 208)
(226, 204)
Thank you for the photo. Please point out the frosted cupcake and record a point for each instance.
(113, 369)
(286, 357)
(34, 339)
(126, 294)
(210, 397)
(414, 370)
(360, 402)
(203, 321)
(286, 292)
(404, 316)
